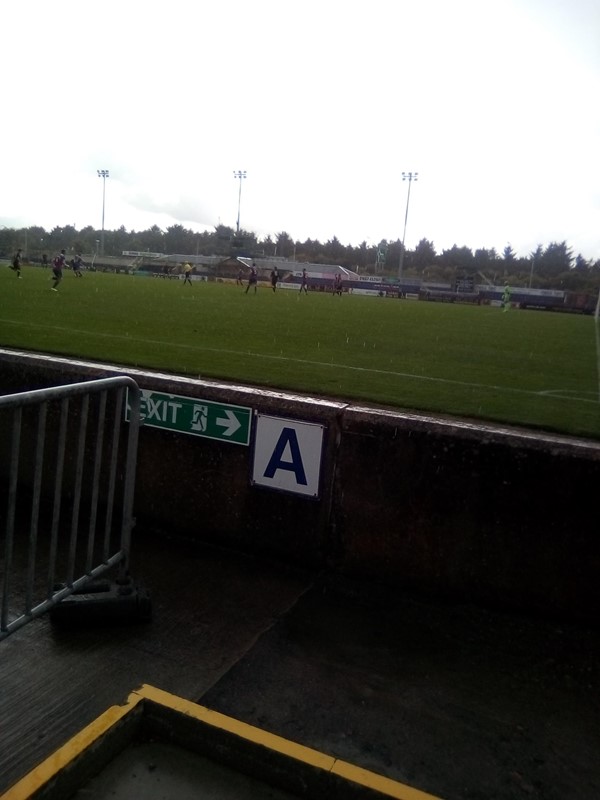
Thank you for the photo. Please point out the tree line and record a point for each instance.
(548, 267)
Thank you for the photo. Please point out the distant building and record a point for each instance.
(285, 266)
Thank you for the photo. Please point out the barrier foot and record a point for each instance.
(104, 602)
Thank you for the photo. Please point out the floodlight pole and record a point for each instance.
(410, 177)
(103, 173)
(239, 174)
(531, 270)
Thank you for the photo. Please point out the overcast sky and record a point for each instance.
(495, 103)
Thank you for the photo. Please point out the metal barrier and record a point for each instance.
(59, 463)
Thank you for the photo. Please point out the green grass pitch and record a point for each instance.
(530, 368)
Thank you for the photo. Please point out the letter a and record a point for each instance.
(288, 436)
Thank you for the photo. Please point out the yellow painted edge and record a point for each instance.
(307, 755)
(242, 729)
(51, 766)
(372, 780)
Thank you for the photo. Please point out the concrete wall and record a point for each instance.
(475, 513)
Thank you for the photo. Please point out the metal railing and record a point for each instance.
(68, 461)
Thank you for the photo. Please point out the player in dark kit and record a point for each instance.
(16, 263)
(57, 267)
(253, 279)
(274, 278)
(304, 284)
(77, 264)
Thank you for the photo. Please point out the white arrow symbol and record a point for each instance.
(232, 423)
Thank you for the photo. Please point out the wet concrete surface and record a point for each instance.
(157, 771)
(455, 700)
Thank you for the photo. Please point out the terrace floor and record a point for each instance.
(454, 700)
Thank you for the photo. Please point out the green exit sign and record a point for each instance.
(194, 416)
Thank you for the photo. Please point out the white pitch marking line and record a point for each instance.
(329, 364)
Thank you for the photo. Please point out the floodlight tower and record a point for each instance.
(103, 173)
(410, 177)
(239, 174)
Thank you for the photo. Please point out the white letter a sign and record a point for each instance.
(287, 455)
